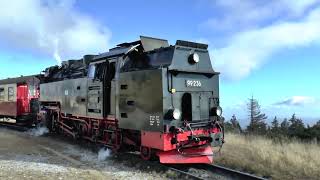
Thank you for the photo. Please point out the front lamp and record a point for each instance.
(173, 114)
(216, 111)
(176, 114)
(194, 58)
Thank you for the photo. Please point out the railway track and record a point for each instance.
(235, 174)
(182, 174)
(191, 171)
(198, 172)
(185, 171)
(211, 172)
(13, 126)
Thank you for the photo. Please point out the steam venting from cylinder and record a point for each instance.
(103, 154)
(39, 131)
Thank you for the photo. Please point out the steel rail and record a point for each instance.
(216, 171)
(234, 174)
(184, 174)
(228, 173)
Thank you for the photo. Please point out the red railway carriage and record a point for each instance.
(19, 99)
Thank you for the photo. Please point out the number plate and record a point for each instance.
(193, 83)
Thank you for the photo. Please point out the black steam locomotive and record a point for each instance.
(142, 96)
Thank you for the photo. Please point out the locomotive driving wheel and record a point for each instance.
(145, 153)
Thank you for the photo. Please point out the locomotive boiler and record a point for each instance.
(142, 96)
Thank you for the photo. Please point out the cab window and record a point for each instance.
(96, 71)
(92, 71)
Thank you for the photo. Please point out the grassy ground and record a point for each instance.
(262, 156)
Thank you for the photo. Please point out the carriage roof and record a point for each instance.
(19, 80)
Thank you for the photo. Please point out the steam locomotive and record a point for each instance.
(142, 96)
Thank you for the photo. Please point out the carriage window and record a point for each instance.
(1, 94)
(10, 94)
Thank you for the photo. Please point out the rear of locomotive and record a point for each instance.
(175, 104)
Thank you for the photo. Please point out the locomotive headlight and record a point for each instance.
(219, 111)
(173, 114)
(216, 111)
(176, 114)
(194, 58)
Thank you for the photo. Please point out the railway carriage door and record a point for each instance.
(22, 100)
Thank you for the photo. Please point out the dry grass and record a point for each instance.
(262, 156)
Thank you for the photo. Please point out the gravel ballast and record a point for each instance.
(25, 156)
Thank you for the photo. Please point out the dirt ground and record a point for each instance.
(23, 155)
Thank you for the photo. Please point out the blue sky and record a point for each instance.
(268, 49)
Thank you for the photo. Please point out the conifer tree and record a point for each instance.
(284, 127)
(235, 125)
(257, 119)
(275, 127)
(228, 126)
(296, 128)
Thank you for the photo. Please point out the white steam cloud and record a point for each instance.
(39, 131)
(103, 154)
(56, 52)
(87, 155)
(53, 28)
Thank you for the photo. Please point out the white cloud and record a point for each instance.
(297, 101)
(245, 14)
(53, 28)
(202, 40)
(248, 50)
(306, 107)
(298, 7)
